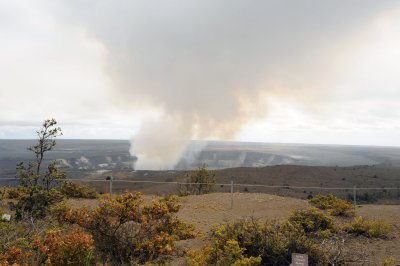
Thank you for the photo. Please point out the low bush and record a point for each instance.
(11, 242)
(390, 261)
(197, 182)
(250, 241)
(368, 197)
(35, 204)
(126, 231)
(361, 226)
(12, 192)
(229, 254)
(73, 248)
(14, 256)
(3, 193)
(335, 206)
(313, 220)
(75, 190)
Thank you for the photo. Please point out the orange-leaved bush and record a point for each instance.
(14, 256)
(55, 248)
(74, 249)
(125, 230)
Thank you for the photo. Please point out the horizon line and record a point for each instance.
(226, 141)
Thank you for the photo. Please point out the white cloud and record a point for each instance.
(48, 70)
(322, 71)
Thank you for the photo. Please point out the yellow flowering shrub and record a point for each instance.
(361, 226)
(334, 205)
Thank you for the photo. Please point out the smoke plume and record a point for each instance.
(208, 67)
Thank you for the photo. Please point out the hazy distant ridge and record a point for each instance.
(83, 156)
(248, 154)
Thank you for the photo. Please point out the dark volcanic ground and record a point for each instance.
(92, 155)
(250, 164)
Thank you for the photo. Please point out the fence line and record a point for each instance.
(220, 184)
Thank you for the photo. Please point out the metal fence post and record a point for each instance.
(231, 194)
(110, 178)
(355, 198)
(111, 186)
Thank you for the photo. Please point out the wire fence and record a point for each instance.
(359, 195)
(223, 184)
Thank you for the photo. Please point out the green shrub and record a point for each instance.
(9, 234)
(335, 205)
(313, 221)
(13, 192)
(39, 184)
(249, 241)
(75, 190)
(35, 204)
(361, 226)
(230, 254)
(3, 193)
(368, 197)
(197, 182)
(390, 261)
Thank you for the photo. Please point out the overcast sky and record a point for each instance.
(168, 71)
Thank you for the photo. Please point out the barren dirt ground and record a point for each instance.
(205, 210)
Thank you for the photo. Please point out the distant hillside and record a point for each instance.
(277, 179)
(76, 157)
(81, 158)
(218, 155)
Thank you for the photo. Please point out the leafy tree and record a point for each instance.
(39, 184)
(45, 142)
(198, 182)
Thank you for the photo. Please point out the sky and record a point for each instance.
(161, 73)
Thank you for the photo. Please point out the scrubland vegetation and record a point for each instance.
(44, 230)
(361, 226)
(309, 231)
(197, 182)
(334, 205)
(125, 229)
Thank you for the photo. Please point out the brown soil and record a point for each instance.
(205, 210)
